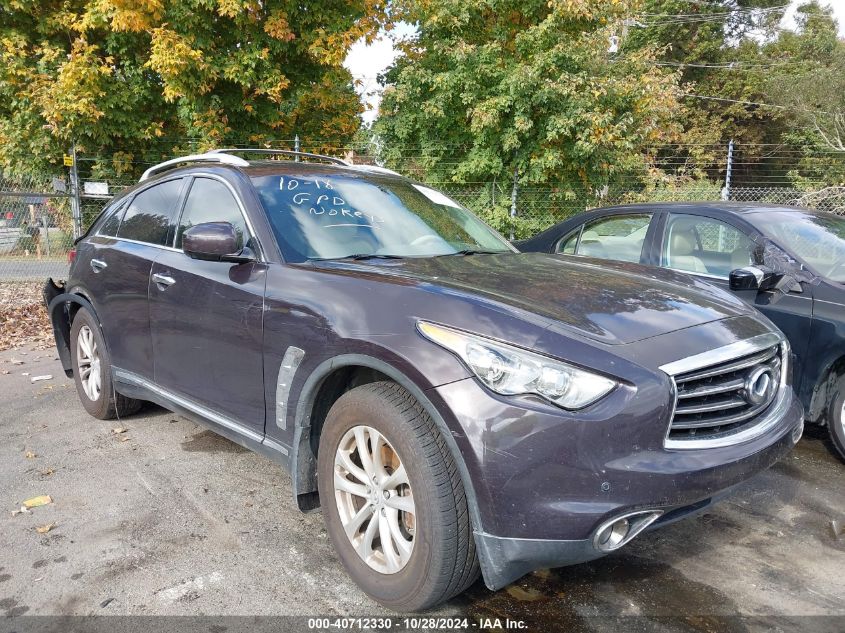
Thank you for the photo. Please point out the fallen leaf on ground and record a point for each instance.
(119, 429)
(23, 510)
(43, 529)
(23, 318)
(26, 373)
(15, 361)
(46, 472)
(30, 455)
(42, 500)
(40, 378)
(524, 595)
(123, 438)
(4, 372)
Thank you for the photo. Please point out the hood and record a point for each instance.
(613, 305)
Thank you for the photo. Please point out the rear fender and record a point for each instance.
(61, 306)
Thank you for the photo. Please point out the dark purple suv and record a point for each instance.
(452, 405)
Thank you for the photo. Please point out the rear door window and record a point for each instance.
(617, 237)
(150, 215)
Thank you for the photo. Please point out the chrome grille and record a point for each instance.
(727, 397)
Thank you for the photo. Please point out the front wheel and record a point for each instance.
(393, 502)
(92, 370)
(836, 418)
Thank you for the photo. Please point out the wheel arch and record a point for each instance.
(311, 410)
(61, 309)
(823, 389)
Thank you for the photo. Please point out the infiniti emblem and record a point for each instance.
(760, 385)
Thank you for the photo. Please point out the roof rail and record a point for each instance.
(376, 169)
(284, 152)
(194, 158)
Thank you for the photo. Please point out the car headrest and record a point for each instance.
(682, 244)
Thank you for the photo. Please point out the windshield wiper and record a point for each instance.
(471, 251)
(356, 257)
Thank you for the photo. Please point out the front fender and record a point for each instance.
(302, 457)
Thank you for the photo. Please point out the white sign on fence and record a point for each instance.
(93, 188)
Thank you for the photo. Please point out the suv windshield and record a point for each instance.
(328, 217)
(817, 238)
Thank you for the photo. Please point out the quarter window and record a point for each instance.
(617, 237)
(698, 244)
(211, 201)
(568, 244)
(112, 222)
(149, 216)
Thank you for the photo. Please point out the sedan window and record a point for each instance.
(618, 237)
(698, 244)
(149, 216)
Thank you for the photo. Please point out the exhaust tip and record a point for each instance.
(613, 534)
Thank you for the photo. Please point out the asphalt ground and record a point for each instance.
(167, 518)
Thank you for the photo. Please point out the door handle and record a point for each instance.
(97, 265)
(163, 281)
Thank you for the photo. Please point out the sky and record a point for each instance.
(365, 62)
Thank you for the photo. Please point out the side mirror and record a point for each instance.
(215, 242)
(753, 278)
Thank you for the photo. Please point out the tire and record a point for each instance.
(442, 561)
(836, 418)
(90, 359)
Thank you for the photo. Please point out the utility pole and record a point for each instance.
(75, 201)
(513, 199)
(726, 191)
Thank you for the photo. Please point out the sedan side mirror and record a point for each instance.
(753, 278)
(215, 242)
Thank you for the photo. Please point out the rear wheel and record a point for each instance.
(393, 501)
(92, 370)
(836, 418)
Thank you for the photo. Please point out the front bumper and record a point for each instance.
(545, 480)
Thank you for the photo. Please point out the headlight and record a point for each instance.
(509, 370)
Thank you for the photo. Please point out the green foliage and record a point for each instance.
(121, 77)
(810, 83)
(489, 87)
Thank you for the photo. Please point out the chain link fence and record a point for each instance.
(36, 225)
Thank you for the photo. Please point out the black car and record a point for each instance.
(446, 400)
(787, 262)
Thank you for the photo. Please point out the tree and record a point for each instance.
(811, 79)
(491, 87)
(133, 80)
(717, 47)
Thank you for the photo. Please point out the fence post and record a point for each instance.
(726, 191)
(75, 201)
(513, 199)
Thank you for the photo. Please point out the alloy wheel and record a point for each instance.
(374, 499)
(88, 363)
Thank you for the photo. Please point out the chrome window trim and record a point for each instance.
(140, 243)
(740, 348)
(218, 418)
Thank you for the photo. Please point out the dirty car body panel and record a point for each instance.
(254, 350)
